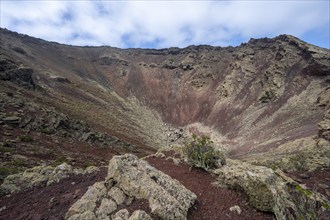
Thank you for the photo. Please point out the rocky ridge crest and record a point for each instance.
(130, 178)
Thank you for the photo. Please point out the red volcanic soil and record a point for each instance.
(52, 202)
(213, 202)
(318, 180)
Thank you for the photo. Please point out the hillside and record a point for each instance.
(255, 96)
(265, 102)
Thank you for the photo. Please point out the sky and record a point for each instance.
(163, 24)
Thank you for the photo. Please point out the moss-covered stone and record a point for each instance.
(269, 190)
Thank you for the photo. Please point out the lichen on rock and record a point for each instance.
(140, 215)
(130, 177)
(40, 176)
(273, 191)
(324, 126)
(167, 197)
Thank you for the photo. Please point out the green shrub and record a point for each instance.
(5, 149)
(88, 164)
(6, 143)
(200, 153)
(6, 171)
(46, 131)
(60, 160)
(299, 161)
(18, 163)
(26, 138)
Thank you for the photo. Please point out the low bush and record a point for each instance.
(6, 171)
(60, 160)
(26, 138)
(46, 131)
(7, 143)
(5, 149)
(201, 153)
(19, 163)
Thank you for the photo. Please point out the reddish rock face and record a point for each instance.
(258, 95)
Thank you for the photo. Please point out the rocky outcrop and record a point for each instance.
(40, 176)
(272, 191)
(33, 117)
(19, 75)
(167, 197)
(13, 121)
(324, 126)
(131, 178)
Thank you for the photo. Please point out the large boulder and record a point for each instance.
(272, 191)
(132, 178)
(87, 204)
(167, 197)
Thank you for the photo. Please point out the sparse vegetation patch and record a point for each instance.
(200, 152)
(26, 138)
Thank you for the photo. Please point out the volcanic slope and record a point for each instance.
(264, 97)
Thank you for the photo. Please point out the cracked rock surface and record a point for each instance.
(130, 177)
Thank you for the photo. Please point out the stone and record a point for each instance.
(3, 208)
(37, 176)
(122, 214)
(60, 172)
(17, 182)
(87, 203)
(323, 186)
(87, 136)
(91, 169)
(327, 192)
(117, 195)
(12, 120)
(84, 216)
(176, 161)
(140, 215)
(20, 76)
(324, 126)
(20, 157)
(323, 99)
(132, 178)
(236, 209)
(106, 208)
(272, 191)
(167, 198)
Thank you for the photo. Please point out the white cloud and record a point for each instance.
(163, 23)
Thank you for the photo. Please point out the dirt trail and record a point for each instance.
(213, 202)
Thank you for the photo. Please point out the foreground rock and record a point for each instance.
(272, 191)
(130, 178)
(40, 176)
